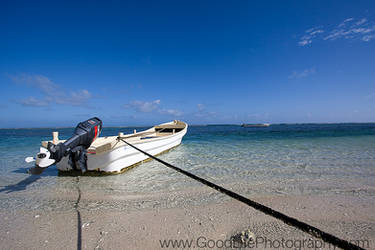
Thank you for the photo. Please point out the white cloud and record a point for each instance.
(300, 74)
(202, 112)
(362, 21)
(52, 92)
(304, 42)
(309, 36)
(38, 81)
(32, 102)
(345, 21)
(144, 107)
(200, 106)
(172, 112)
(76, 98)
(368, 38)
(152, 106)
(351, 33)
(349, 29)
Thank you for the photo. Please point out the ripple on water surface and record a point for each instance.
(280, 159)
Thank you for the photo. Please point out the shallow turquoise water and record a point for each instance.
(281, 159)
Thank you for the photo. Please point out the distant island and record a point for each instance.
(255, 125)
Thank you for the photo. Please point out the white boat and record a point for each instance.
(111, 155)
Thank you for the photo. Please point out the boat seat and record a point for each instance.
(170, 126)
(102, 144)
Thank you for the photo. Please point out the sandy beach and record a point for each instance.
(102, 221)
(323, 180)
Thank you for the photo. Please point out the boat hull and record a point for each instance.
(123, 157)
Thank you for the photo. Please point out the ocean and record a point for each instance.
(283, 159)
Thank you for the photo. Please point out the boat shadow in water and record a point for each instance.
(31, 178)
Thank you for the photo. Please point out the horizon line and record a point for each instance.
(197, 125)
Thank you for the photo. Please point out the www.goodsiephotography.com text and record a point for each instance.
(253, 243)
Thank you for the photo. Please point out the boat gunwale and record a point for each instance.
(158, 138)
(119, 143)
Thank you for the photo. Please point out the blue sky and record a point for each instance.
(145, 62)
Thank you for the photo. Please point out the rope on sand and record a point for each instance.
(316, 232)
(79, 220)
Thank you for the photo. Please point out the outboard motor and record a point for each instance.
(84, 134)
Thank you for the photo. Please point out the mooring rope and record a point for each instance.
(316, 232)
(79, 220)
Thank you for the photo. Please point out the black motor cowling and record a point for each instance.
(84, 134)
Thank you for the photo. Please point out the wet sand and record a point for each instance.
(104, 221)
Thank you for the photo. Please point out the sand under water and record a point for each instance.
(323, 175)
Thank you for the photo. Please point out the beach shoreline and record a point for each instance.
(319, 175)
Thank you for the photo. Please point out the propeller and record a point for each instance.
(29, 159)
(42, 161)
